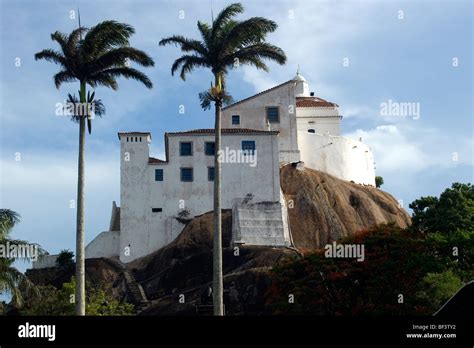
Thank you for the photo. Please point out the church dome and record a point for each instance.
(299, 77)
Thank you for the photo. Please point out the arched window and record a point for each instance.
(312, 130)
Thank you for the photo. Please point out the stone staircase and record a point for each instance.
(135, 293)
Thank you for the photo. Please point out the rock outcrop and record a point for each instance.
(323, 208)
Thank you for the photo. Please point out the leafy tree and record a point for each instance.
(397, 262)
(61, 302)
(94, 57)
(453, 210)
(226, 43)
(427, 268)
(378, 181)
(65, 260)
(439, 287)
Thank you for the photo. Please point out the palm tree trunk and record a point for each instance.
(80, 264)
(217, 247)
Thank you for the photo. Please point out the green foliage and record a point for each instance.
(427, 266)
(439, 287)
(65, 260)
(453, 210)
(61, 302)
(394, 262)
(12, 281)
(8, 219)
(97, 56)
(378, 181)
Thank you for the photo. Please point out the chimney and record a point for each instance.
(311, 94)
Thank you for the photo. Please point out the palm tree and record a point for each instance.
(11, 279)
(97, 59)
(92, 108)
(225, 44)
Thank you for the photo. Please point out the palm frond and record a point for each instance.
(8, 219)
(105, 76)
(254, 55)
(106, 35)
(186, 45)
(214, 95)
(52, 56)
(250, 31)
(61, 39)
(206, 34)
(224, 16)
(117, 57)
(188, 63)
(74, 39)
(63, 76)
(17, 284)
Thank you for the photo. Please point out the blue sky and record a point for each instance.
(408, 59)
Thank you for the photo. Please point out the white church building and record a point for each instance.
(281, 125)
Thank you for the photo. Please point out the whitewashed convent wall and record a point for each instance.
(252, 112)
(345, 158)
(145, 231)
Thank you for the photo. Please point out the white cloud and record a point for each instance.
(406, 149)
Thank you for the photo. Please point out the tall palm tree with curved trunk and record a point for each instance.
(226, 43)
(94, 57)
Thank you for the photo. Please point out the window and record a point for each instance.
(185, 148)
(210, 148)
(273, 114)
(186, 174)
(158, 174)
(156, 210)
(248, 147)
(210, 173)
(311, 130)
(235, 119)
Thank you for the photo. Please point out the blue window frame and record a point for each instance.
(248, 147)
(273, 114)
(186, 148)
(158, 174)
(186, 174)
(210, 148)
(210, 173)
(235, 119)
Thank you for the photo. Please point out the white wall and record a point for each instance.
(322, 125)
(345, 158)
(325, 120)
(45, 261)
(253, 115)
(146, 231)
(106, 244)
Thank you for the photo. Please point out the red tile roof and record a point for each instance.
(313, 102)
(223, 131)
